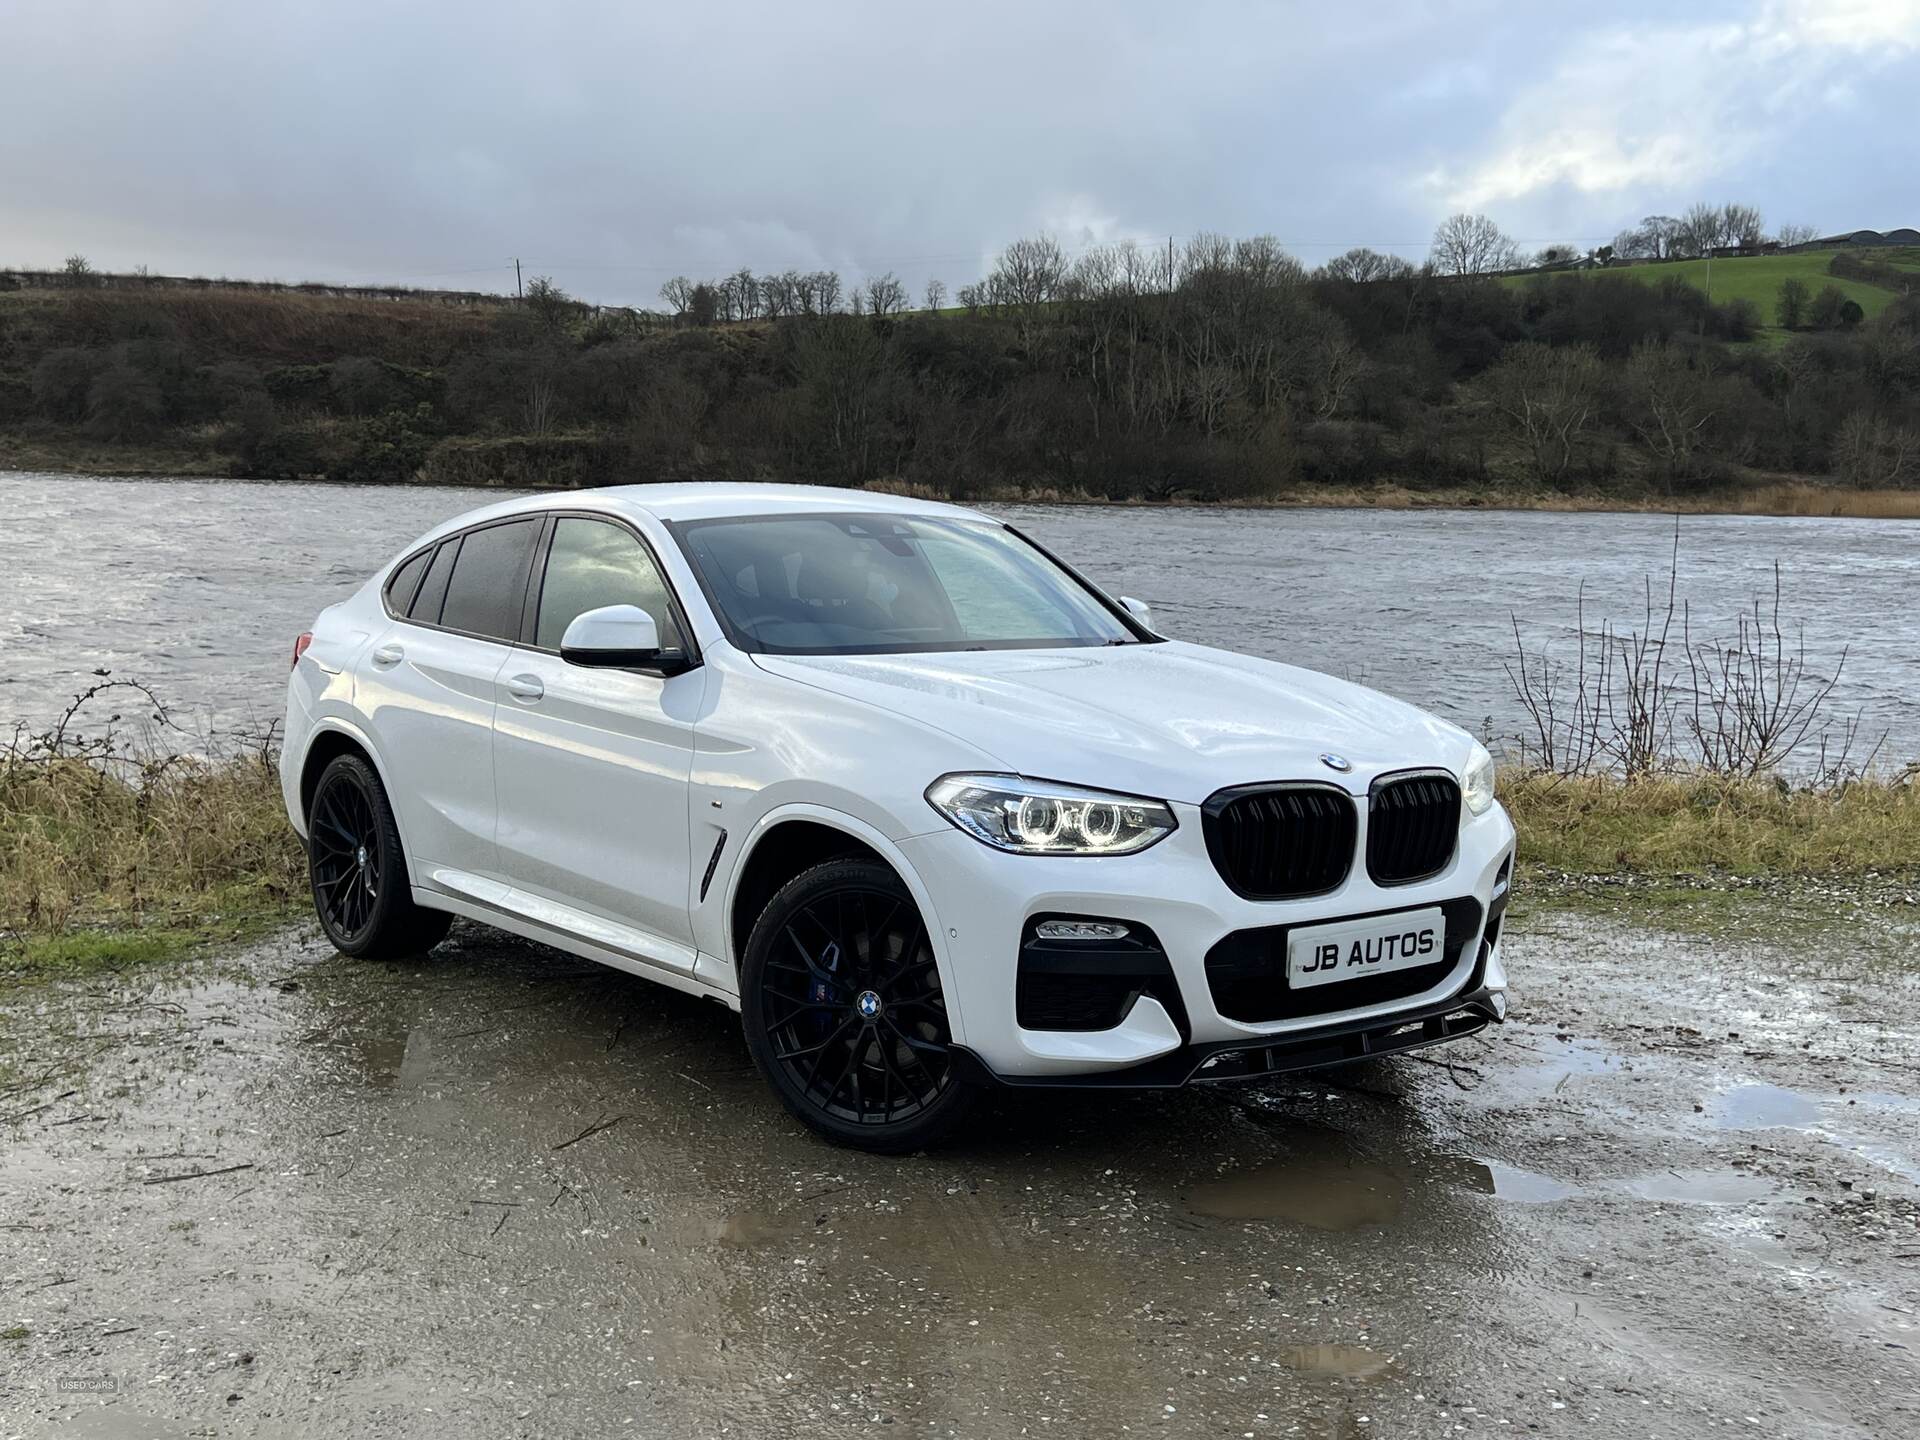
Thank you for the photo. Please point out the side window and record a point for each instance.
(593, 563)
(489, 583)
(405, 580)
(433, 590)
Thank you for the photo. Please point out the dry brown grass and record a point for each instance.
(95, 833)
(1691, 824)
(1799, 498)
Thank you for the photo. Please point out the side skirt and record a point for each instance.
(574, 943)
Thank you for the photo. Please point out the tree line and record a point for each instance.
(1226, 369)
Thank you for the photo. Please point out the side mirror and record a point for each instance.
(1140, 611)
(618, 637)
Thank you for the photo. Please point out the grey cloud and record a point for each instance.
(614, 145)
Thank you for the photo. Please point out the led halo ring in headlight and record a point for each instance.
(1476, 783)
(1038, 817)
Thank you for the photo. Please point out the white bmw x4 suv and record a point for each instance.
(925, 806)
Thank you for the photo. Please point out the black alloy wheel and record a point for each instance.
(844, 1012)
(359, 873)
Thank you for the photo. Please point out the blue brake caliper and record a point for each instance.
(824, 993)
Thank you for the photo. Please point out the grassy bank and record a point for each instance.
(108, 861)
(1756, 280)
(1699, 825)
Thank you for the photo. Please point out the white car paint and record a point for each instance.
(582, 807)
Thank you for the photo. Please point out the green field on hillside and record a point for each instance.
(1757, 278)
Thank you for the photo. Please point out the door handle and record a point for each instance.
(388, 655)
(526, 687)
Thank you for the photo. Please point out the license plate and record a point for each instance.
(1380, 945)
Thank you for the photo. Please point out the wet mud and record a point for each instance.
(499, 1192)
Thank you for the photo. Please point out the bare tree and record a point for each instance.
(1557, 255)
(747, 288)
(826, 291)
(779, 294)
(1870, 452)
(1741, 225)
(935, 297)
(1669, 401)
(1030, 271)
(1791, 235)
(972, 297)
(1549, 394)
(1651, 239)
(678, 293)
(886, 295)
(1362, 266)
(1699, 231)
(78, 271)
(847, 371)
(1472, 245)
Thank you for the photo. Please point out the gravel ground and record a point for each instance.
(499, 1193)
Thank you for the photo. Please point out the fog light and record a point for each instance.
(1080, 930)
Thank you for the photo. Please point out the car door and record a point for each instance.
(427, 688)
(592, 765)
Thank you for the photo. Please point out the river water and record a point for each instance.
(198, 588)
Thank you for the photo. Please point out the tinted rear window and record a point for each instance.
(401, 587)
(490, 580)
(426, 605)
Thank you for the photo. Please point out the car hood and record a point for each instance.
(1171, 720)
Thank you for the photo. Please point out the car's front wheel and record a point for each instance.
(359, 872)
(844, 1012)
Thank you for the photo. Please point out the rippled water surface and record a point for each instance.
(199, 587)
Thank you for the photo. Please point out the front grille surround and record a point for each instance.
(1287, 840)
(1413, 826)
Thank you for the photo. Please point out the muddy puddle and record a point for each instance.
(499, 1192)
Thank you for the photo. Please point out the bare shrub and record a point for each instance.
(1755, 700)
(1643, 701)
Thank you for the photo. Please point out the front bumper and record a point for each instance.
(1225, 1060)
(982, 900)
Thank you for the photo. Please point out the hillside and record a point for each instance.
(1249, 379)
(1756, 279)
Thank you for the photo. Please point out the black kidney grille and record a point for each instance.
(1278, 842)
(1413, 823)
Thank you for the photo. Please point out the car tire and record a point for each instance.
(358, 872)
(844, 1013)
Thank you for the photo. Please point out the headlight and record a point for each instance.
(1476, 786)
(1029, 817)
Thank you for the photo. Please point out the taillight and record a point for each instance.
(300, 647)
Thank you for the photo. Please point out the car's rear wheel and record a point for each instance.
(844, 1012)
(359, 872)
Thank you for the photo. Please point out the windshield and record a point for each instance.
(876, 584)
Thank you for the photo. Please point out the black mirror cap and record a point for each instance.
(663, 662)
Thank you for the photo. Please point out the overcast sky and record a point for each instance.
(613, 145)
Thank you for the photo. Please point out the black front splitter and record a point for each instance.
(1465, 1014)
